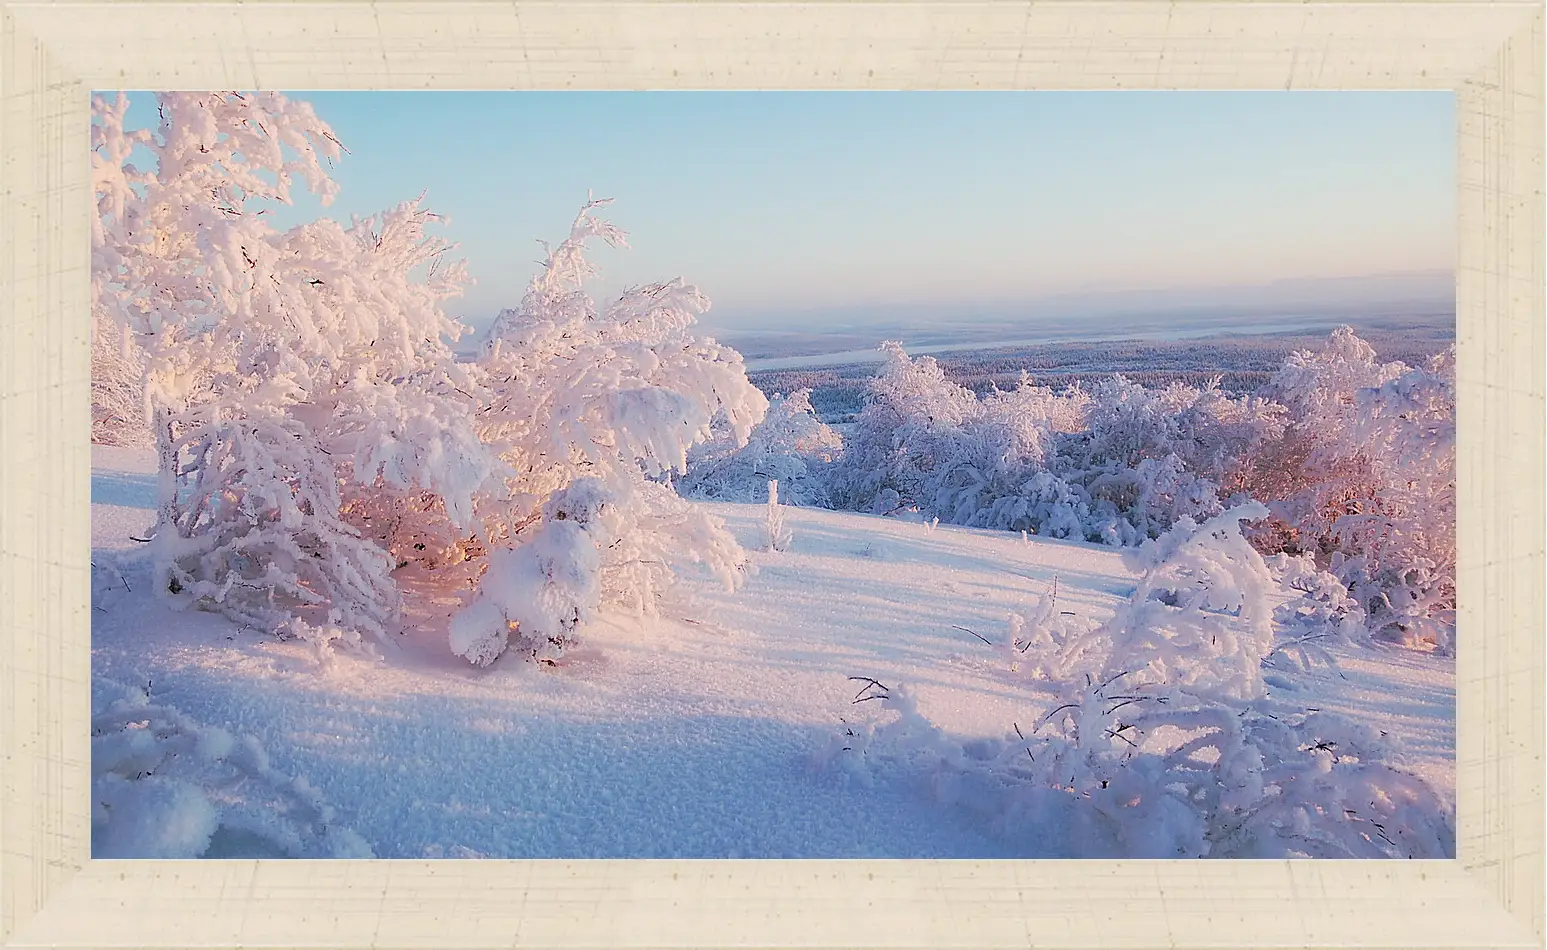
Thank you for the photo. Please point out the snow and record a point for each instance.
(697, 733)
(439, 601)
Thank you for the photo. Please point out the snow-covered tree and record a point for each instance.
(791, 446)
(1119, 464)
(1151, 457)
(1363, 479)
(118, 415)
(1316, 469)
(292, 374)
(892, 447)
(616, 397)
(1401, 549)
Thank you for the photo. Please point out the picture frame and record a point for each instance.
(52, 55)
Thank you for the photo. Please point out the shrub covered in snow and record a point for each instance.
(1201, 616)
(1040, 645)
(1355, 459)
(540, 591)
(1162, 743)
(314, 430)
(590, 411)
(165, 786)
(1363, 479)
(292, 376)
(1319, 615)
(617, 394)
(118, 410)
(1129, 506)
(596, 543)
(1118, 464)
(892, 447)
(791, 446)
(1115, 773)
(1207, 430)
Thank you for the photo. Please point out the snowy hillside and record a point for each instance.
(714, 730)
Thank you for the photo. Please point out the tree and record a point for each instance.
(1363, 479)
(893, 447)
(1119, 464)
(612, 400)
(118, 414)
(1402, 568)
(791, 446)
(291, 375)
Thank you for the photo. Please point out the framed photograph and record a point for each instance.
(832, 474)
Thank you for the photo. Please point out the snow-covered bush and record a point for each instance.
(1041, 503)
(1038, 409)
(892, 448)
(1152, 457)
(924, 443)
(1128, 506)
(1119, 773)
(1400, 551)
(1038, 644)
(1206, 429)
(165, 786)
(791, 446)
(595, 408)
(1171, 774)
(1314, 472)
(1201, 617)
(616, 394)
(976, 466)
(1219, 433)
(261, 537)
(542, 590)
(1363, 479)
(1162, 742)
(293, 376)
(1127, 423)
(1118, 464)
(118, 412)
(314, 429)
(597, 543)
(1321, 615)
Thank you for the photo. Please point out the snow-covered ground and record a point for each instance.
(691, 734)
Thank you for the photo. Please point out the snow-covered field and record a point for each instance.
(698, 733)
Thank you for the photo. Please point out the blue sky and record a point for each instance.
(776, 203)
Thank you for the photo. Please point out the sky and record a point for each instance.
(779, 205)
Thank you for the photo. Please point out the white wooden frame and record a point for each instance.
(53, 54)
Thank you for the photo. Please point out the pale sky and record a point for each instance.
(781, 202)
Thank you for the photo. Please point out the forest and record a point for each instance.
(1241, 362)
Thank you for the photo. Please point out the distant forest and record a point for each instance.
(1243, 362)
